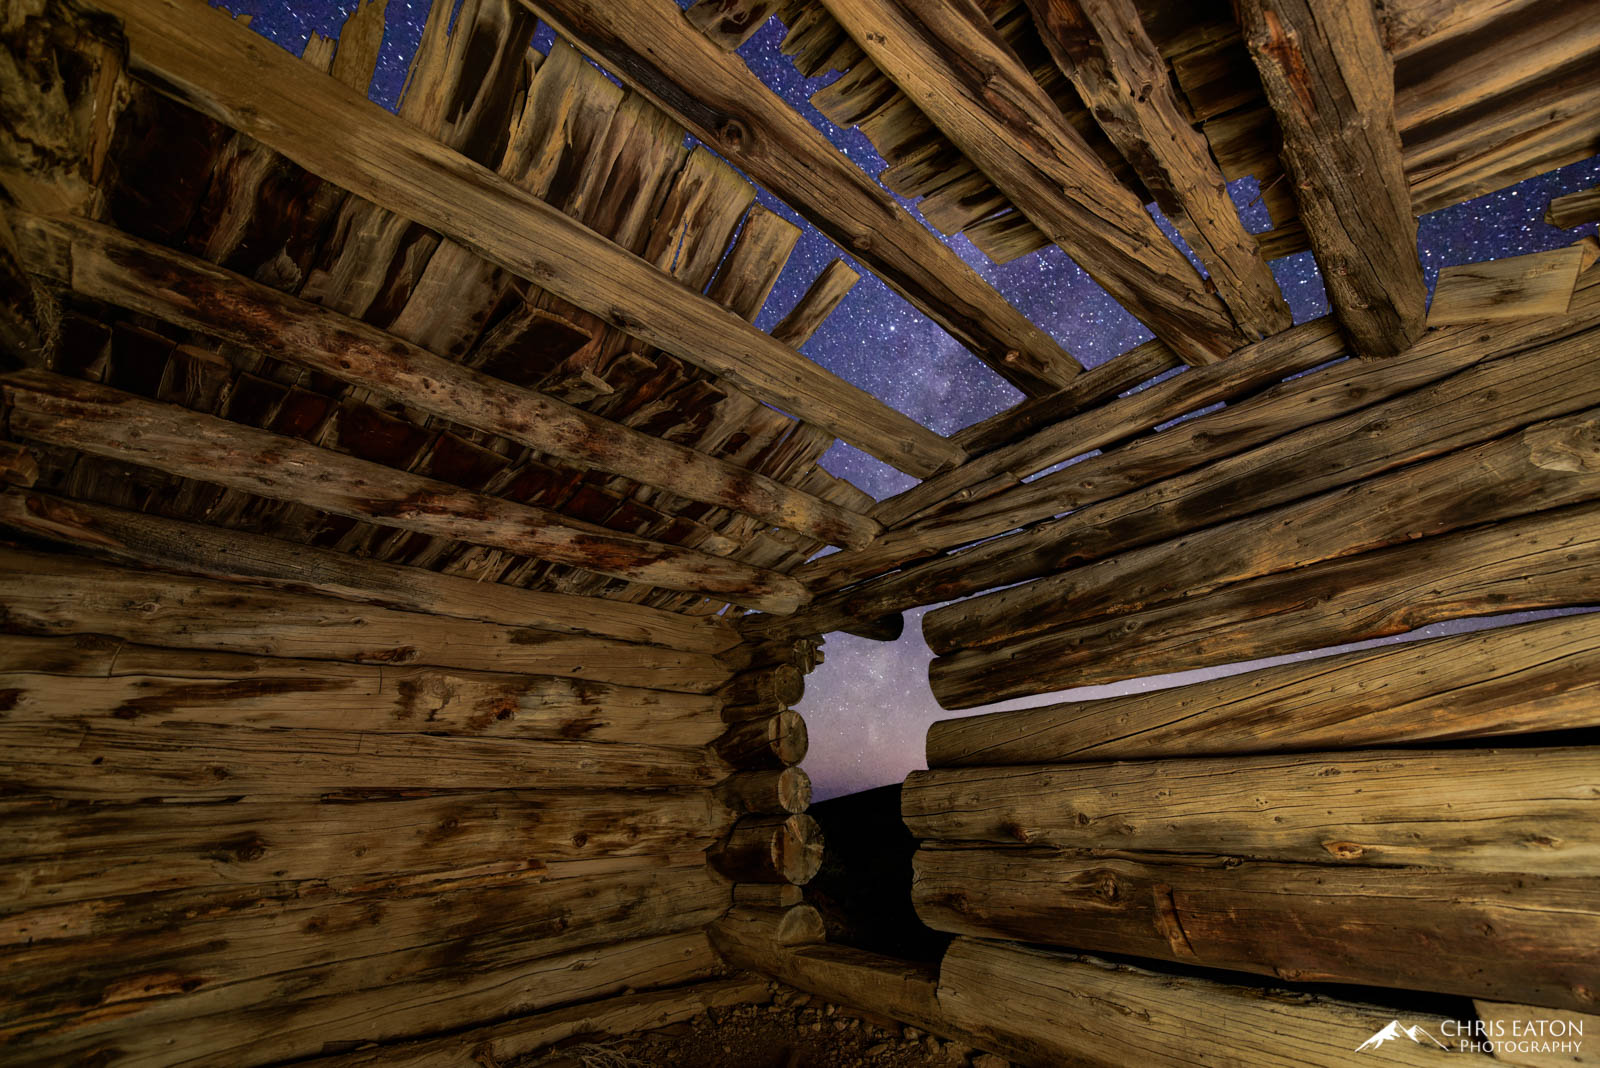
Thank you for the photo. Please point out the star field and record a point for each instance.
(869, 705)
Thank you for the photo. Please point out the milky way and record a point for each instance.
(869, 705)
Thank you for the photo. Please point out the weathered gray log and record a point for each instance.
(775, 742)
(773, 790)
(1331, 86)
(209, 62)
(1549, 560)
(949, 59)
(59, 595)
(107, 422)
(1548, 465)
(1525, 810)
(771, 849)
(1541, 676)
(212, 552)
(1533, 937)
(651, 47)
(107, 265)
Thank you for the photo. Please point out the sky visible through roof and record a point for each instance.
(868, 707)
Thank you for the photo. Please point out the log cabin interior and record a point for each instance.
(413, 550)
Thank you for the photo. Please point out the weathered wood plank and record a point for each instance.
(1505, 810)
(1043, 1008)
(1102, 46)
(1477, 934)
(59, 595)
(212, 552)
(1574, 209)
(950, 60)
(113, 267)
(1542, 676)
(117, 425)
(1547, 465)
(1550, 560)
(225, 71)
(1331, 86)
(650, 45)
(1517, 287)
(819, 300)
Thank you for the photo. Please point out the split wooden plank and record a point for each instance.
(225, 71)
(1480, 934)
(1547, 465)
(212, 552)
(107, 422)
(949, 59)
(1551, 560)
(1517, 287)
(1485, 810)
(58, 594)
(1530, 678)
(1331, 86)
(1039, 1006)
(818, 302)
(107, 265)
(655, 50)
(1104, 48)
(1574, 209)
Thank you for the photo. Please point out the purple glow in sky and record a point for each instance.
(869, 705)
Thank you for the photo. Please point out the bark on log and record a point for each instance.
(949, 59)
(1545, 466)
(1534, 677)
(1523, 810)
(61, 595)
(776, 742)
(1044, 1008)
(771, 849)
(217, 67)
(1549, 560)
(1477, 934)
(785, 790)
(654, 50)
(107, 422)
(107, 265)
(233, 555)
(1331, 86)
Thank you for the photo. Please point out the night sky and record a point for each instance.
(869, 705)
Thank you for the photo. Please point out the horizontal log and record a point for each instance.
(795, 926)
(107, 265)
(774, 790)
(1532, 1035)
(775, 742)
(1479, 934)
(1548, 560)
(1515, 287)
(219, 68)
(883, 629)
(110, 423)
(1545, 466)
(59, 595)
(1541, 676)
(234, 555)
(18, 467)
(391, 995)
(781, 684)
(1041, 1007)
(1523, 810)
(768, 895)
(60, 851)
(525, 1036)
(771, 849)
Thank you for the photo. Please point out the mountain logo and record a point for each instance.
(1392, 1030)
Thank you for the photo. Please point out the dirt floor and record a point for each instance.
(795, 1030)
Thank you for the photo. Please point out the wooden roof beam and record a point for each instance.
(1103, 49)
(105, 264)
(946, 56)
(206, 60)
(108, 422)
(1330, 83)
(655, 49)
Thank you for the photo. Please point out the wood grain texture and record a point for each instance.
(1540, 676)
(1517, 287)
(1574, 209)
(779, 848)
(1330, 83)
